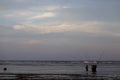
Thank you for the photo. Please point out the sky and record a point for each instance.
(59, 29)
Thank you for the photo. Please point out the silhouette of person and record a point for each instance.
(94, 67)
(86, 67)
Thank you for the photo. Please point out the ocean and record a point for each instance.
(104, 68)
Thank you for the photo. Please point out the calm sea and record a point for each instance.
(59, 67)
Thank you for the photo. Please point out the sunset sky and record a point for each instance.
(59, 29)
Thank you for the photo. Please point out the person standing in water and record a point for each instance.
(93, 68)
(86, 67)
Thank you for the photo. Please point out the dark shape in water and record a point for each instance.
(94, 67)
(86, 68)
(5, 69)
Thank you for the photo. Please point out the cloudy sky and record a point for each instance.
(60, 29)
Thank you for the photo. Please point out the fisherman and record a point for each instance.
(86, 67)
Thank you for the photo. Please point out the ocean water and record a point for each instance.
(104, 68)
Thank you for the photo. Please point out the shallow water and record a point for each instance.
(54, 67)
